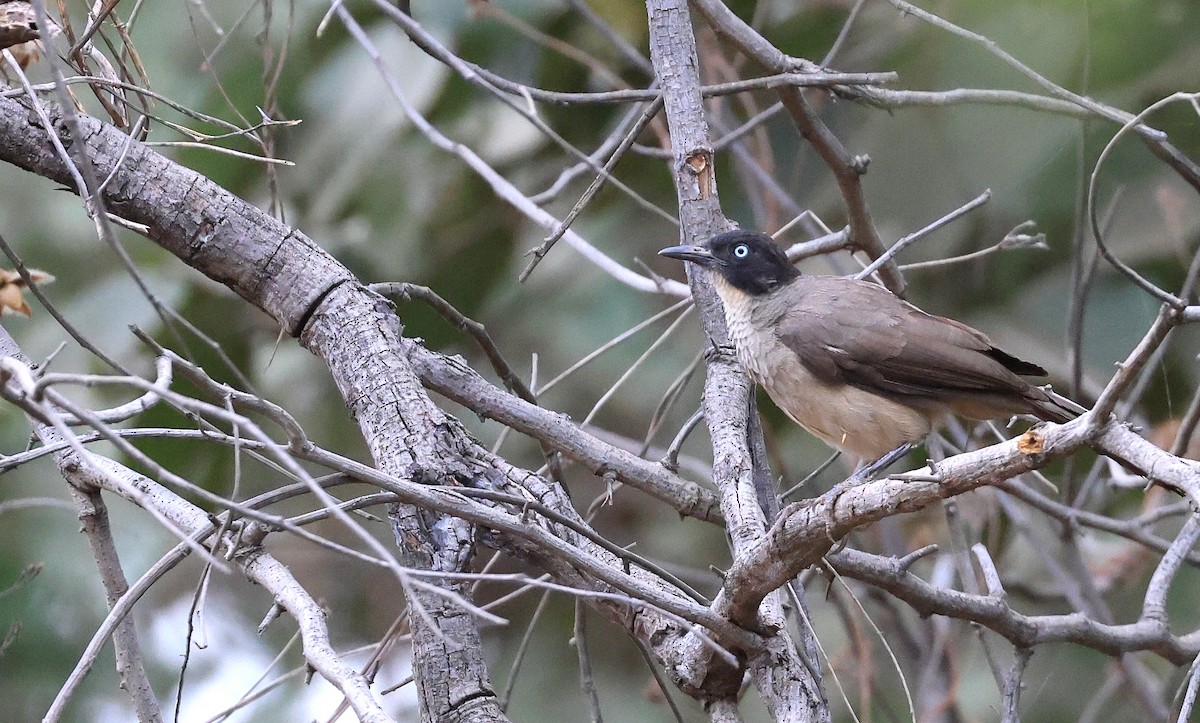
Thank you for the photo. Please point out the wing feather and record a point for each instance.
(859, 333)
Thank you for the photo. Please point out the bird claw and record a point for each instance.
(721, 351)
(867, 473)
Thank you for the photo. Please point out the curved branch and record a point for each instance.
(1021, 630)
(790, 685)
(805, 531)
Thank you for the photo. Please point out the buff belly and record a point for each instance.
(863, 425)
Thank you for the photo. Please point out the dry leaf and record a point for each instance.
(12, 288)
(27, 53)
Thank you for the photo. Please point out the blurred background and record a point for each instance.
(378, 195)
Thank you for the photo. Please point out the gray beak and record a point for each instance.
(695, 254)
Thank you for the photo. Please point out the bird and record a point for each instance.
(856, 366)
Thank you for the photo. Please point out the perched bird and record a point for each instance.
(861, 369)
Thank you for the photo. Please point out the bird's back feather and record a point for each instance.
(858, 333)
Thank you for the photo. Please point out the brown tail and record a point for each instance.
(1053, 407)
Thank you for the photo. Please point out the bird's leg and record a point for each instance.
(867, 473)
(719, 351)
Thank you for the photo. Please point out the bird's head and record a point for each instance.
(749, 261)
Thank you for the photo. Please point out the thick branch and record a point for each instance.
(357, 334)
(455, 380)
(807, 530)
(278, 269)
(1021, 630)
(790, 688)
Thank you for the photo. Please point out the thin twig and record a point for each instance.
(587, 679)
(922, 233)
(605, 173)
(1012, 685)
(501, 185)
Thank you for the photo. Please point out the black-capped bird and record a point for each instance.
(861, 369)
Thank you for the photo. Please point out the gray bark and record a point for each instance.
(356, 333)
(791, 689)
(284, 273)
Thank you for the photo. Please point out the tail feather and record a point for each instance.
(1015, 365)
(1054, 407)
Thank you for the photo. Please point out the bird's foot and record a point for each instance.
(867, 473)
(720, 352)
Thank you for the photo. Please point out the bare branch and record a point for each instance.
(789, 688)
(804, 531)
(847, 169)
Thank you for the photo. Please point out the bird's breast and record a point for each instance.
(860, 423)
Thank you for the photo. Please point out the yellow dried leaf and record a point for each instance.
(12, 297)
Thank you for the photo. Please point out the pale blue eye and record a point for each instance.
(741, 251)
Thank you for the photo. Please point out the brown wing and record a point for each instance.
(858, 333)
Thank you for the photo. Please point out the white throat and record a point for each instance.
(739, 319)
